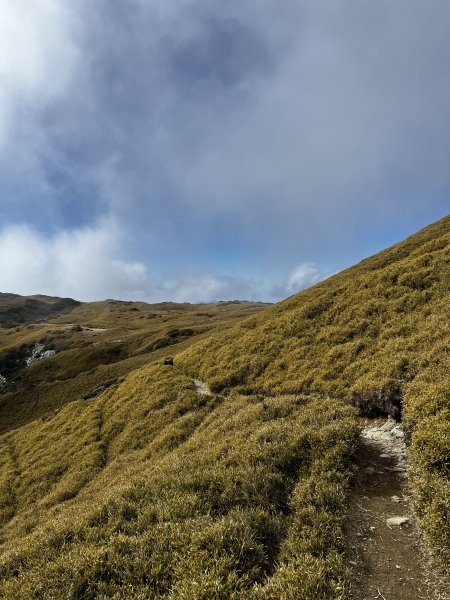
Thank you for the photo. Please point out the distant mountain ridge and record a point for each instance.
(22, 310)
(87, 344)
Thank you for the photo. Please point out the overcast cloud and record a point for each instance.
(198, 151)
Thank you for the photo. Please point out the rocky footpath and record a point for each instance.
(384, 549)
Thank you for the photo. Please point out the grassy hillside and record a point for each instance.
(95, 344)
(376, 336)
(149, 489)
(19, 310)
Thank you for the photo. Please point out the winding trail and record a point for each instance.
(384, 549)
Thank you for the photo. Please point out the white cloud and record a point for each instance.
(304, 276)
(38, 57)
(85, 264)
(88, 264)
(209, 287)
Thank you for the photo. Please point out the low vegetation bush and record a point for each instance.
(427, 415)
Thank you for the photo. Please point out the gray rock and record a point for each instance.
(397, 521)
(399, 434)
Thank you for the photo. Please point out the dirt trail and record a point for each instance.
(384, 549)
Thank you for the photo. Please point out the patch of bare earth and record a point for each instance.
(384, 551)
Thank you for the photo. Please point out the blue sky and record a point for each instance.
(198, 151)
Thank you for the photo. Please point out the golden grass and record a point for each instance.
(376, 336)
(103, 341)
(151, 490)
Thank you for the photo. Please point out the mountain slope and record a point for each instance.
(360, 335)
(20, 310)
(91, 346)
(150, 489)
(376, 336)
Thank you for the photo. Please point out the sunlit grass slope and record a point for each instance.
(376, 336)
(95, 343)
(151, 490)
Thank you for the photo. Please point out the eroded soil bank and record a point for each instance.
(384, 550)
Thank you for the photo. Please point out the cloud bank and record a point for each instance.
(303, 277)
(82, 263)
(88, 264)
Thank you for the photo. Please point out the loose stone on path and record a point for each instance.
(397, 521)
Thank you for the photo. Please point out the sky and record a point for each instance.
(199, 151)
